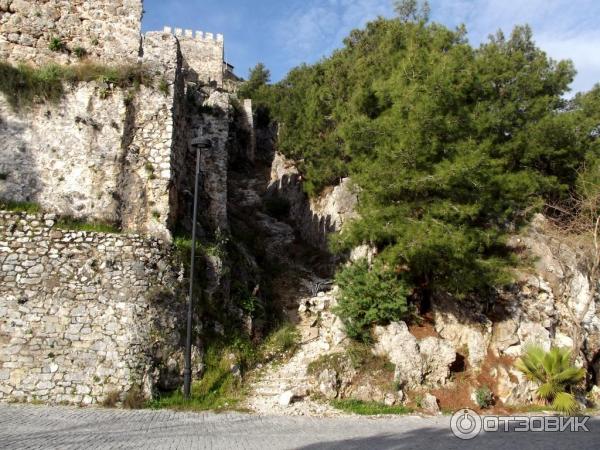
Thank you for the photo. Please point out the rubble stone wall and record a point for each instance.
(108, 30)
(82, 315)
(101, 153)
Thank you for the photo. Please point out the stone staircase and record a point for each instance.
(285, 387)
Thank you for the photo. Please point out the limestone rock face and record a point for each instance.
(396, 343)
(315, 219)
(465, 326)
(437, 356)
(328, 384)
(513, 388)
(416, 362)
(370, 393)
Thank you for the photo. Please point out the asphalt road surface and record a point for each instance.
(31, 427)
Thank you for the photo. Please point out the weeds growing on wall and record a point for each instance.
(27, 207)
(25, 85)
(71, 224)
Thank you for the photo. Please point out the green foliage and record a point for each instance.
(72, 224)
(24, 85)
(56, 45)
(220, 387)
(369, 408)
(412, 10)
(453, 147)
(163, 86)
(555, 374)
(258, 78)
(258, 89)
(80, 52)
(284, 341)
(370, 296)
(27, 207)
(484, 397)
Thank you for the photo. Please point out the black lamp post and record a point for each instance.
(197, 143)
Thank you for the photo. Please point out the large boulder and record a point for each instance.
(328, 384)
(416, 362)
(397, 344)
(430, 404)
(437, 355)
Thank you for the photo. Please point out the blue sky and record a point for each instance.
(285, 33)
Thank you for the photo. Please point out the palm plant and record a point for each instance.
(556, 375)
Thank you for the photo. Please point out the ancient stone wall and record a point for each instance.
(101, 153)
(203, 55)
(108, 30)
(82, 315)
(148, 160)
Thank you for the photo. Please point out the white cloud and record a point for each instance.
(314, 28)
(565, 29)
(582, 49)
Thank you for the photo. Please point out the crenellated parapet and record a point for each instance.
(203, 54)
(198, 35)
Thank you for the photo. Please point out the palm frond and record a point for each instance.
(548, 391)
(570, 375)
(554, 373)
(565, 403)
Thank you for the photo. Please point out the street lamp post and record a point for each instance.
(187, 374)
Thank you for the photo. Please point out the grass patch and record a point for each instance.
(358, 355)
(282, 342)
(56, 45)
(71, 224)
(24, 85)
(27, 207)
(335, 361)
(221, 386)
(163, 86)
(368, 408)
(218, 389)
(80, 52)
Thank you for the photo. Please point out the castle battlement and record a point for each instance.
(203, 53)
(198, 35)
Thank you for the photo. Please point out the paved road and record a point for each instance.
(30, 427)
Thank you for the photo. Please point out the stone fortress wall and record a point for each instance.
(203, 55)
(108, 30)
(79, 318)
(112, 157)
(101, 153)
(82, 314)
